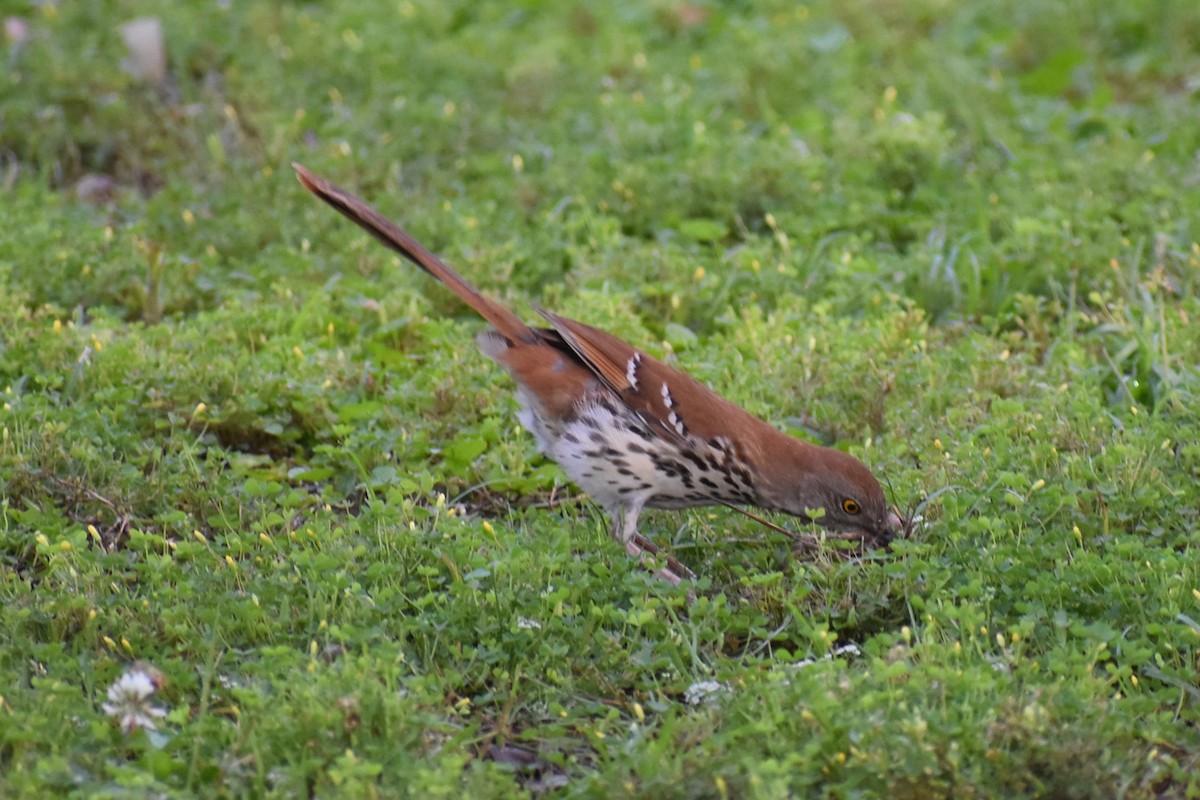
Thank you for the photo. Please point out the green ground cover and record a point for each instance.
(245, 445)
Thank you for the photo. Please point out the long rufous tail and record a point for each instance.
(386, 231)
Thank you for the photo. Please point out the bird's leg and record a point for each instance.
(625, 522)
(624, 530)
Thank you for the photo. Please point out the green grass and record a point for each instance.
(242, 443)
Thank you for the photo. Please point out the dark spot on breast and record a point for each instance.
(608, 402)
(670, 463)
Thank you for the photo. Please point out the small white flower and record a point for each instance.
(129, 699)
(229, 682)
(703, 692)
(527, 624)
(844, 650)
(917, 523)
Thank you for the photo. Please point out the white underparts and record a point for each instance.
(616, 456)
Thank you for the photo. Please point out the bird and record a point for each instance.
(633, 432)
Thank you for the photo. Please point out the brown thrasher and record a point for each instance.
(635, 433)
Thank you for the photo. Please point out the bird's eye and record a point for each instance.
(851, 506)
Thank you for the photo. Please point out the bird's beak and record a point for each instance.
(895, 525)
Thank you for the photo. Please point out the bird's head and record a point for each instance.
(836, 491)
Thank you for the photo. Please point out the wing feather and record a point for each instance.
(670, 401)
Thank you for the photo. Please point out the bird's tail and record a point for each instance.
(386, 231)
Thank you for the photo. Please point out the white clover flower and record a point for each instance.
(527, 624)
(703, 692)
(844, 650)
(129, 700)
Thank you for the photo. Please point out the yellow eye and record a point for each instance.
(851, 506)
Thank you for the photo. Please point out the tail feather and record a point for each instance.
(394, 237)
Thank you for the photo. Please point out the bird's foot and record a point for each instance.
(674, 571)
